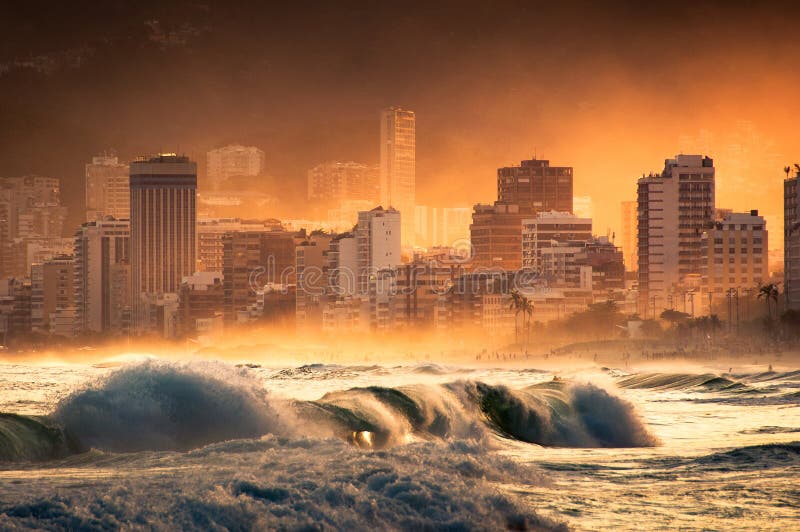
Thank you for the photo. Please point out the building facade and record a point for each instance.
(734, 256)
(629, 225)
(791, 241)
(496, 235)
(163, 192)
(251, 261)
(233, 161)
(210, 232)
(536, 185)
(333, 182)
(378, 241)
(103, 276)
(30, 209)
(548, 229)
(398, 152)
(53, 296)
(674, 208)
(200, 304)
(107, 189)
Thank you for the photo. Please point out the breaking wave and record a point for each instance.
(555, 414)
(682, 381)
(28, 438)
(157, 406)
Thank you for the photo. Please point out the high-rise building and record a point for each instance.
(233, 161)
(102, 276)
(536, 185)
(547, 230)
(378, 240)
(343, 265)
(311, 263)
(398, 166)
(163, 224)
(107, 189)
(734, 255)
(629, 229)
(333, 182)
(53, 296)
(252, 260)
(791, 241)
(674, 208)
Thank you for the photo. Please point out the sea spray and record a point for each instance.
(166, 406)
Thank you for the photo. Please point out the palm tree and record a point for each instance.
(527, 309)
(517, 305)
(787, 169)
(769, 293)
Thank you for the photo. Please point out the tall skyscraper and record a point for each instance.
(629, 227)
(232, 161)
(674, 208)
(398, 166)
(163, 221)
(791, 241)
(107, 189)
(102, 276)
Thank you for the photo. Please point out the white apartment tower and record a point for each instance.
(378, 241)
(107, 189)
(163, 225)
(102, 276)
(234, 160)
(674, 208)
(398, 166)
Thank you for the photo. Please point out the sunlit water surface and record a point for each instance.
(714, 468)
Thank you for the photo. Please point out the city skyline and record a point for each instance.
(441, 265)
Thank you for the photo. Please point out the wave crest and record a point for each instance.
(157, 406)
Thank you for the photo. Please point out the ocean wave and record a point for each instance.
(753, 457)
(161, 406)
(295, 484)
(158, 406)
(766, 376)
(682, 381)
(28, 438)
(558, 414)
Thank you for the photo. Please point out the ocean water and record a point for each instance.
(208, 445)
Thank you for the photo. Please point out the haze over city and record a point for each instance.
(605, 89)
